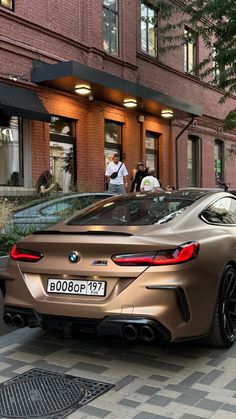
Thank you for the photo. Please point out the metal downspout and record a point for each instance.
(176, 151)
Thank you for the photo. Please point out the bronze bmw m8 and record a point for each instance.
(158, 265)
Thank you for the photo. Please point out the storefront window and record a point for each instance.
(219, 159)
(193, 165)
(152, 151)
(62, 153)
(113, 140)
(113, 132)
(7, 4)
(11, 161)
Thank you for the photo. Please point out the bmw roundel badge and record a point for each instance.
(74, 256)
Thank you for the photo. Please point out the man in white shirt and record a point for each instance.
(116, 174)
(150, 183)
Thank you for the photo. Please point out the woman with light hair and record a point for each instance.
(150, 183)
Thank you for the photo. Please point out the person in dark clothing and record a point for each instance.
(44, 182)
(141, 173)
(14, 179)
(220, 184)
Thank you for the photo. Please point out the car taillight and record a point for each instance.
(183, 253)
(25, 255)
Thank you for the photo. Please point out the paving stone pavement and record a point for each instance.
(182, 381)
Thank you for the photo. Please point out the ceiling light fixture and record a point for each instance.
(167, 113)
(83, 89)
(130, 103)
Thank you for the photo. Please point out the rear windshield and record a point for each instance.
(139, 210)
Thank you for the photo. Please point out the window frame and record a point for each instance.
(216, 69)
(188, 32)
(20, 153)
(221, 144)
(113, 146)
(153, 151)
(11, 9)
(67, 139)
(147, 50)
(196, 160)
(116, 13)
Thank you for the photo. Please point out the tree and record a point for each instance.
(215, 22)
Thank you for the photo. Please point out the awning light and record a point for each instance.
(130, 103)
(167, 113)
(83, 89)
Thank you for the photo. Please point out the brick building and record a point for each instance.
(50, 53)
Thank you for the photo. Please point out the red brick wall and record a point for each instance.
(72, 30)
(40, 149)
(90, 142)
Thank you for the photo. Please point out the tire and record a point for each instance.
(223, 329)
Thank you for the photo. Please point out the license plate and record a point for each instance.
(76, 287)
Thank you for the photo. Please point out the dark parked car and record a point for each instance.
(45, 212)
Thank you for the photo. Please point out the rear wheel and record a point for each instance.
(223, 329)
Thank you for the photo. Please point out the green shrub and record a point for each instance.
(6, 208)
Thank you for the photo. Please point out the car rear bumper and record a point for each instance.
(131, 328)
(178, 299)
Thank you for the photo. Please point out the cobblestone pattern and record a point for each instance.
(182, 381)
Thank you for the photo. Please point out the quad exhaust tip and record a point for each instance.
(132, 333)
(8, 319)
(147, 333)
(19, 321)
(16, 320)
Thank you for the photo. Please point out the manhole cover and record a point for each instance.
(47, 394)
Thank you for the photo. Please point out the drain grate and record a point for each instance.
(46, 394)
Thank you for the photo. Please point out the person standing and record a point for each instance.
(132, 177)
(116, 174)
(44, 183)
(150, 183)
(220, 184)
(141, 173)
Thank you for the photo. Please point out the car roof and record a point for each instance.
(194, 193)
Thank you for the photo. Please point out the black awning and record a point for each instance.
(65, 75)
(19, 101)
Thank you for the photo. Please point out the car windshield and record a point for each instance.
(139, 210)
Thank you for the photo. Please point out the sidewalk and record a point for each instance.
(151, 381)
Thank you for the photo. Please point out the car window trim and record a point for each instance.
(201, 217)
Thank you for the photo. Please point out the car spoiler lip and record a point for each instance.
(88, 232)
